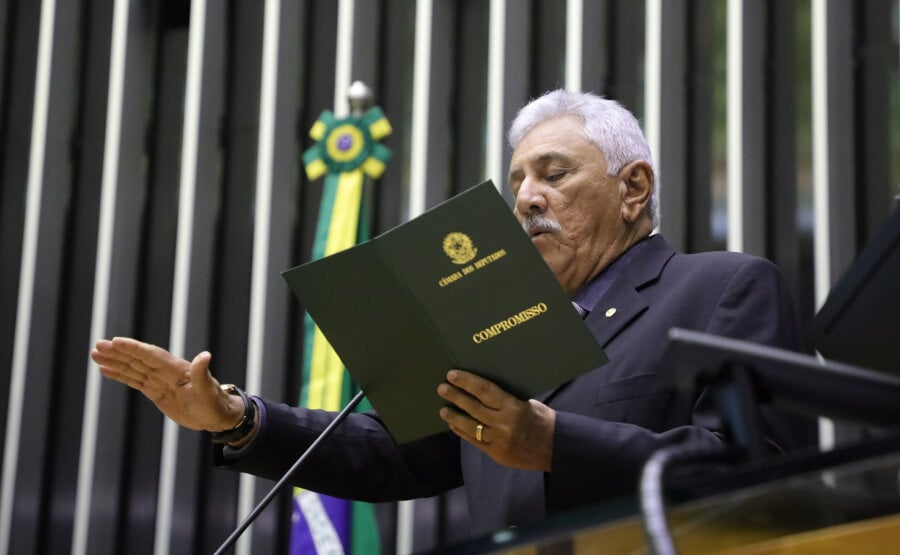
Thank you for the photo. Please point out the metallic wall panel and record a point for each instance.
(699, 120)
(548, 44)
(762, 135)
(595, 47)
(59, 267)
(841, 155)
(876, 49)
(440, 175)
(193, 448)
(393, 92)
(272, 527)
(746, 126)
(114, 513)
(781, 242)
(50, 170)
(672, 159)
(519, 85)
(469, 111)
(121, 515)
(20, 68)
(234, 244)
(626, 34)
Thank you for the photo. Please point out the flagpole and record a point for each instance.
(360, 98)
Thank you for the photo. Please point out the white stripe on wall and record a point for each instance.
(653, 81)
(343, 57)
(495, 123)
(821, 218)
(821, 229)
(182, 272)
(25, 303)
(574, 41)
(418, 166)
(268, 96)
(111, 149)
(735, 126)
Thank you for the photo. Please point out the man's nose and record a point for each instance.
(530, 197)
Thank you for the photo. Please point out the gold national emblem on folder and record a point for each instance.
(459, 247)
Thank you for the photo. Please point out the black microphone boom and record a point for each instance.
(248, 520)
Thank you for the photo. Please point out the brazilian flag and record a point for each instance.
(346, 152)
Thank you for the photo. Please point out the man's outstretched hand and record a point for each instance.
(184, 391)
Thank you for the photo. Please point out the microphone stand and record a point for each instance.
(248, 520)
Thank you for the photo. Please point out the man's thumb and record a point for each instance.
(200, 368)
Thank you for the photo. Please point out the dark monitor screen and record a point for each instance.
(860, 320)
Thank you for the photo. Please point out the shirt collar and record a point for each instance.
(588, 296)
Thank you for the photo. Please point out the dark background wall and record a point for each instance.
(109, 225)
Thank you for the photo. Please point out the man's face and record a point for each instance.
(567, 203)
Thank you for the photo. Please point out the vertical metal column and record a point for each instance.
(27, 271)
(873, 52)
(574, 43)
(162, 544)
(418, 167)
(746, 82)
(85, 502)
(232, 265)
(199, 206)
(262, 222)
(665, 113)
(495, 137)
(834, 157)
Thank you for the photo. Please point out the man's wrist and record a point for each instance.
(247, 423)
(246, 439)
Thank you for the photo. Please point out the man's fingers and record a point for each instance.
(109, 352)
(465, 402)
(114, 367)
(121, 352)
(148, 354)
(143, 365)
(463, 425)
(127, 376)
(485, 391)
(125, 345)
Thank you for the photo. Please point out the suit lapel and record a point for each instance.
(624, 296)
(615, 310)
(623, 302)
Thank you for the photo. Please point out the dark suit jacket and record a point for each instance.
(608, 421)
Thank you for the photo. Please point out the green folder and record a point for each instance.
(460, 286)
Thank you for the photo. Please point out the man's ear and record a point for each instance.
(636, 187)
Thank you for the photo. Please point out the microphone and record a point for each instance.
(248, 520)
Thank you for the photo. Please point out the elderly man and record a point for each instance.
(585, 192)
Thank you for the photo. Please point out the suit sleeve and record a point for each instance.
(359, 461)
(594, 458)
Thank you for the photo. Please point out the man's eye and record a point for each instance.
(555, 176)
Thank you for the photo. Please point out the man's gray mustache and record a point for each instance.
(543, 223)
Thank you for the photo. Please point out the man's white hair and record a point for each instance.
(607, 124)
